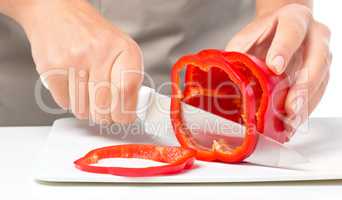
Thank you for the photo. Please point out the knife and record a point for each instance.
(153, 109)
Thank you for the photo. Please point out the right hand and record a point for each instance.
(91, 67)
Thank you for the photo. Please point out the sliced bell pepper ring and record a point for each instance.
(178, 159)
(260, 106)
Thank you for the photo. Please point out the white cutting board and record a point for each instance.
(320, 140)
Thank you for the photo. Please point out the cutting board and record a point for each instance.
(319, 140)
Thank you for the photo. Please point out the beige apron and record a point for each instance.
(165, 30)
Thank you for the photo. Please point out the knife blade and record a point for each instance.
(153, 110)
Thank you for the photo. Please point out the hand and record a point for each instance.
(291, 41)
(91, 67)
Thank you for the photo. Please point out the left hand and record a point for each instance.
(291, 41)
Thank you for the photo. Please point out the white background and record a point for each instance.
(329, 12)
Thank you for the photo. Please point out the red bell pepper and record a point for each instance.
(178, 159)
(209, 75)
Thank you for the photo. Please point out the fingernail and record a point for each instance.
(277, 64)
(297, 105)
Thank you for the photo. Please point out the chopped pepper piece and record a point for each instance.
(177, 159)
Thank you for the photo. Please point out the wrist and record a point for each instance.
(30, 13)
(18, 9)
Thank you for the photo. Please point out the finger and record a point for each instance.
(289, 35)
(253, 34)
(313, 101)
(99, 94)
(316, 67)
(295, 65)
(126, 79)
(57, 80)
(78, 92)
